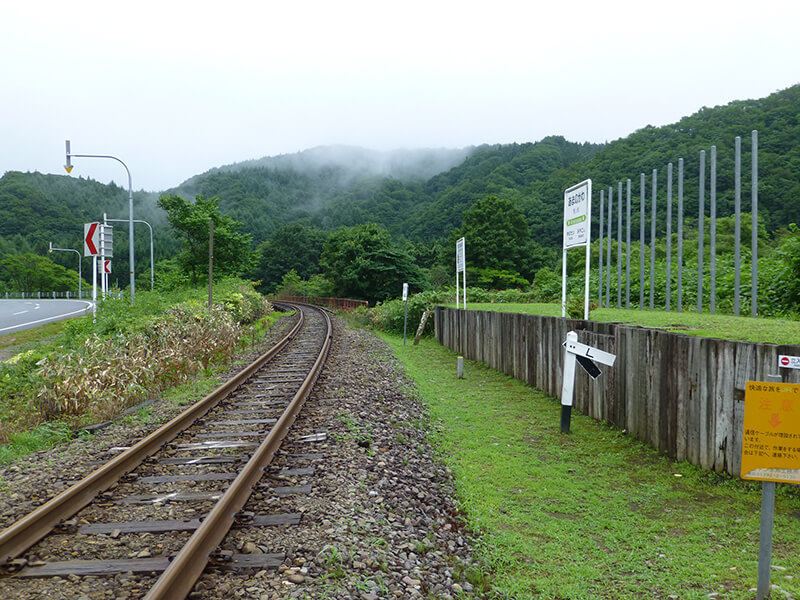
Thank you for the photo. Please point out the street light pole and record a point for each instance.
(68, 167)
(80, 275)
(151, 243)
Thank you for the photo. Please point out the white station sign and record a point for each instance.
(576, 214)
(461, 264)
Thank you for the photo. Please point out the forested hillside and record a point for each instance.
(420, 198)
(37, 209)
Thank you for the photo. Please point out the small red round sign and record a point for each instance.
(785, 360)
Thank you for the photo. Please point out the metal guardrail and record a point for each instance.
(86, 295)
(46, 295)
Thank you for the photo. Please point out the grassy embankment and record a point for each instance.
(25, 424)
(594, 514)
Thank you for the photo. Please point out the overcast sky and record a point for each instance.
(175, 88)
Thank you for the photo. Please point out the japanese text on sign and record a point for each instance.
(771, 435)
(576, 214)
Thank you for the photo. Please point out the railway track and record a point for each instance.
(164, 505)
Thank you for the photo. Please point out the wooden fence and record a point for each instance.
(683, 395)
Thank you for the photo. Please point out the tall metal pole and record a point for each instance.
(150, 227)
(210, 263)
(737, 222)
(669, 236)
(600, 260)
(619, 245)
(80, 274)
(608, 255)
(628, 253)
(680, 235)
(701, 220)
(754, 232)
(103, 277)
(712, 302)
(653, 243)
(642, 217)
(68, 167)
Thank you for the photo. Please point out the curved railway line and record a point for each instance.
(175, 494)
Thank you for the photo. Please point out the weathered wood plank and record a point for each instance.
(708, 394)
(681, 391)
(653, 362)
(723, 405)
(696, 389)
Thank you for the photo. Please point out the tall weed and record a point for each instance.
(95, 370)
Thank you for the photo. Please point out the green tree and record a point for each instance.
(362, 262)
(232, 249)
(296, 247)
(34, 273)
(499, 248)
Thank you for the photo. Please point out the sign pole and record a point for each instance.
(405, 318)
(464, 286)
(577, 232)
(586, 357)
(765, 538)
(211, 263)
(568, 383)
(103, 258)
(564, 283)
(767, 527)
(94, 288)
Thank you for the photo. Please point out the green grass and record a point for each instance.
(12, 343)
(42, 437)
(747, 329)
(593, 514)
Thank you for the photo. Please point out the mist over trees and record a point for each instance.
(506, 199)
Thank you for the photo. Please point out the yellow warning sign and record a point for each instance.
(771, 439)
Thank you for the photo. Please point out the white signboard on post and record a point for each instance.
(461, 268)
(577, 232)
(460, 263)
(577, 214)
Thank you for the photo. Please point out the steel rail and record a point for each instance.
(187, 566)
(28, 530)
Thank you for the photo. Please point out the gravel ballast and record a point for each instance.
(379, 519)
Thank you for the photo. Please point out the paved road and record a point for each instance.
(16, 315)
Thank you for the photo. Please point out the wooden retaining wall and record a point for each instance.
(683, 395)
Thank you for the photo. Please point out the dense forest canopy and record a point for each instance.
(422, 199)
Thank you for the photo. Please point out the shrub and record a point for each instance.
(96, 369)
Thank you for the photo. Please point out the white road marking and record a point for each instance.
(75, 312)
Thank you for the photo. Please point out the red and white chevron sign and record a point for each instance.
(91, 239)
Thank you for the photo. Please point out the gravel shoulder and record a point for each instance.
(380, 520)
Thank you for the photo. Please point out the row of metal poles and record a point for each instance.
(680, 218)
